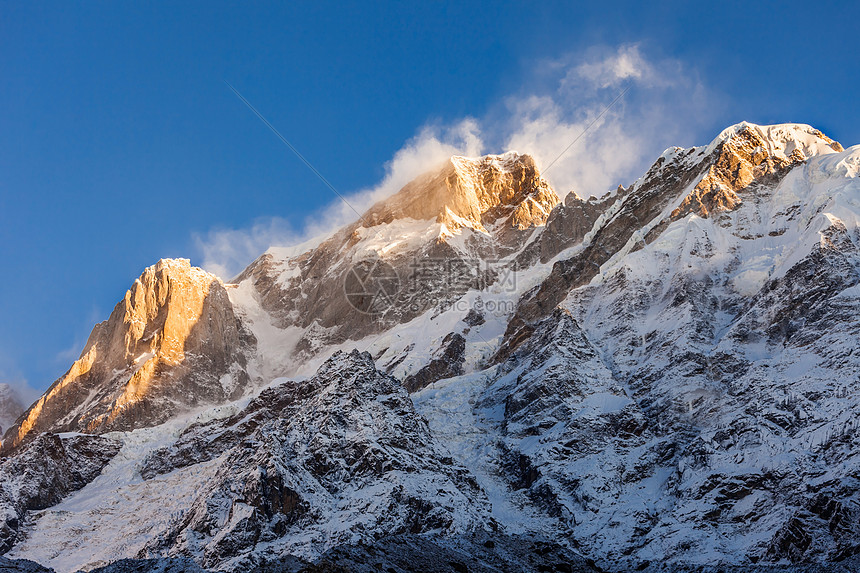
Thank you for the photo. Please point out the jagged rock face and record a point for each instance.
(473, 553)
(46, 470)
(447, 364)
(567, 226)
(339, 458)
(570, 436)
(439, 237)
(677, 389)
(173, 342)
(479, 193)
(22, 566)
(692, 401)
(749, 154)
(151, 566)
(10, 406)
(696, 180)
(735, 336)
(315, 296)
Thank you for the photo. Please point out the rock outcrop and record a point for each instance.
(730, 335)
(339, 458)
(748, 154)
(447, 364)
(702, 181)
(490, 192)
(438, 237)
(676, 389)
(171, 344)
(44, 472)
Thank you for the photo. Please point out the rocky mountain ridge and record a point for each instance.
(173, 342)
(662, 376)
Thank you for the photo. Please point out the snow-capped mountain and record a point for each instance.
(662, 376)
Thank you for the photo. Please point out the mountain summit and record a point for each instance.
(475, 376)
(479, 193)
(172, 342)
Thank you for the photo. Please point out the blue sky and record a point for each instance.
(121, 144)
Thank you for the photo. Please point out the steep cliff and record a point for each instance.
(171, 344)
(662, 377)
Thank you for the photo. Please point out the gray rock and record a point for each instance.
(43, 472)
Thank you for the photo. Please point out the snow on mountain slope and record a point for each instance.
(699, 180)
(117, 513)
(438, 238)
(729, 337)
(339, 458)
(660, 377)
(46, 470)
(736, 337)
(346, 460)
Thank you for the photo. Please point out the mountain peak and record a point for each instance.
(780, 139)
(686, 343)
(481, 193)
(171, 342)
(746, 153)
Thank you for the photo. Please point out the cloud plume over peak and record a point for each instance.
(624, 64)
(225, 252)
(565, 102)
(664, 106)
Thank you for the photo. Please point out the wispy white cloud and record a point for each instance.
(666, 105)
(75, 348)
(225, 252)
(426, 151)
(626, 63)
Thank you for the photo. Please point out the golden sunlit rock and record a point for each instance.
(171, 343)
(474, 192)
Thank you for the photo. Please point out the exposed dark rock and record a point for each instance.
(495, 202)
(340, 456)
(151, 566)
(472, 554)
(448, 363)
(21, 566)
(44, 472)
(680, 387)
(474, 318)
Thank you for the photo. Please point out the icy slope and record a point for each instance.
(735, 338)
(46, 470)
(700, 180)
(337, 459)
(661, 377)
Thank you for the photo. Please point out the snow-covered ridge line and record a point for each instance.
(686, 395)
